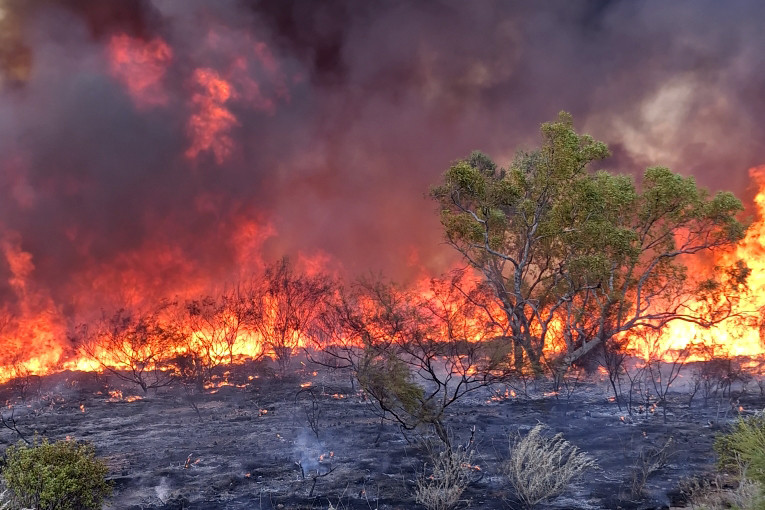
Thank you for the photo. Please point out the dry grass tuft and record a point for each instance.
(541, 467)
(449, 476)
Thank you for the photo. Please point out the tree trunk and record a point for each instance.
(441, 432)
(517, 355)
(611, 377)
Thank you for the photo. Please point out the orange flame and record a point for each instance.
(729, 338)
(36, 328)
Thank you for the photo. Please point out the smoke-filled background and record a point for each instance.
(157, 147)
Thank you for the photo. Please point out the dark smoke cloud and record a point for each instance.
(381, 98)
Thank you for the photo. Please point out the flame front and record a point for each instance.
(143, 143)
(730, 337)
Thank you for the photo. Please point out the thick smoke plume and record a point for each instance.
(155, 148)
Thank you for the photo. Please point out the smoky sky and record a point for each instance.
(376, 100)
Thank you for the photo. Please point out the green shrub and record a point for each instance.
(743, 448)
(65, 475)
(388, 380)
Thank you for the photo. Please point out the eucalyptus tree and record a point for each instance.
(576, 257)
(641, 251)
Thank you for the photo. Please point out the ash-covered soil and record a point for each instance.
(275, 442)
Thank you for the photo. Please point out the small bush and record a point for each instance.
(715, 495)
(65, 475)
(744, 448)
(443, 487)
(649, 460)
(388, 380)
(542, 467)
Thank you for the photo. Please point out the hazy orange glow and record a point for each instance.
(34, 335)
(141, 66)
(209, 126)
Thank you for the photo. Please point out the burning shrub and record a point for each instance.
(743, 448)
(416, 356)
(130, 344)
(286, 304)
(202, 324)
(543, 467)
(65, 475)
(449, 477)
(212, 330)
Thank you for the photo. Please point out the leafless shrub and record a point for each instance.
(695, 385)
(217, 322)
(24, 383)
(202, 328)
(636, 373)
(649, 460)
(286, 304)
(567, 381)
(415, 356)
(8, 421)
(613, 360)
(340, 505)
(311, 407)
(449, 476)
(716, 376)
(132, 345)
(541, 467)
(664, 364)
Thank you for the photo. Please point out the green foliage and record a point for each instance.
(744, 448)
(557, 240)
(65, 475)
(388, 379)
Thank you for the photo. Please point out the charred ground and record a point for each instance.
(262, 441)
